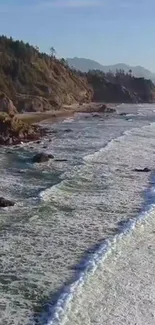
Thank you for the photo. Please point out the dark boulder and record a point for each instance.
(50, 156)
(105, 109)
(143, 170)
(67, 130)
(60, 160)
(123, 114)
(41, 158)
(9, 152)
(95, 115)
(6, 203)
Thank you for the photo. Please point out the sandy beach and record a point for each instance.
(56, 115)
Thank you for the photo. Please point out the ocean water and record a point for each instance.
(68, 213)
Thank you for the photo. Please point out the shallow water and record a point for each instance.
(65, 210)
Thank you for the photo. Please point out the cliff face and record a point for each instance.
(37, 82)
(120, 87)
(143, 88)
(107, 91)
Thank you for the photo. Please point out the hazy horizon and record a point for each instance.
(112, 63)
(106, 31)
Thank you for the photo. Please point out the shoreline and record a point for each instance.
(65, 111)
(71, 296)
(21, 128)
(107, 181)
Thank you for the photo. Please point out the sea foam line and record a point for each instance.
(46, 194)
(56, 313)
(111, 142)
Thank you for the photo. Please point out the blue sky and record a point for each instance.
(108, 31)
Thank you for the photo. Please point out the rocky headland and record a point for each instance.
(35, 86)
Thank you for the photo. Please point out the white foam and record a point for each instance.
(68, 120)
(63, 303)
(84, 190)
(58, 313)
(132, 131)
(129, 115)
(46, 194)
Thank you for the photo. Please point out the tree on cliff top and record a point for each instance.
(52, 52)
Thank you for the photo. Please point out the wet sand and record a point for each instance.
(56, 115)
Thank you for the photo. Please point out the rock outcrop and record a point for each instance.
(6, 203)
(14, 131)
(42, 157)
(142, 170)
(105, 109)
(29, 103)
(6, 105)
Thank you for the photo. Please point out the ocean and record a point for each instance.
(68, 214)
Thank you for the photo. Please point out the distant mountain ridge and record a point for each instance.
(85, 65)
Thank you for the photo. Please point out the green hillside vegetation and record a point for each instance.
(120, 87)
(25, 73)
(31, 81)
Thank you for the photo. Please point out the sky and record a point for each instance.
(108, 31)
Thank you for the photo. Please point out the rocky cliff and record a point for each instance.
(31, 81)
(35, 81)
(14, 130)
(120, 87)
